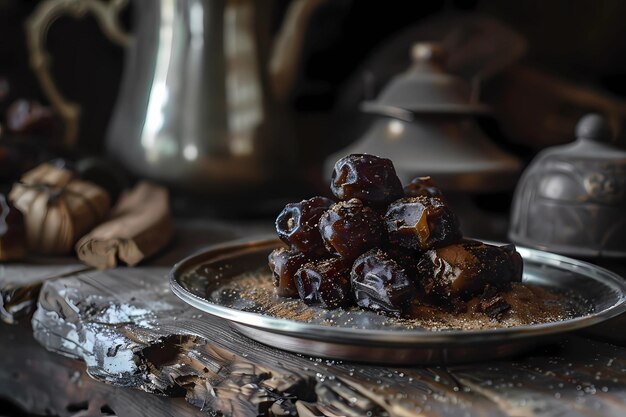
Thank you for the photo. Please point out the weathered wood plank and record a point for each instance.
(582, 378)
(131, 331)
(44, 383)
(20, 284)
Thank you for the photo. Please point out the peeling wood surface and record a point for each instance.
(20, 284)
(130, 331)
(44, 383)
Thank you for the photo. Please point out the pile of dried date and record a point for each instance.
(383, 247)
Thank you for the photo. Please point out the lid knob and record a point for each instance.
(594, 127)
(428, 52)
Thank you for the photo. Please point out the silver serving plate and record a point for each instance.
(595, 295)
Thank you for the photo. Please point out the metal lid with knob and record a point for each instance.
(572, 198)
(425, 88)
(423, 121)
(594, 127)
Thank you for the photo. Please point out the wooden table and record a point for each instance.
(156, 356)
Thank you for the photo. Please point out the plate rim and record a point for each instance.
(388, 337)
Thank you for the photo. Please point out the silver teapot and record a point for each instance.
(201, 101)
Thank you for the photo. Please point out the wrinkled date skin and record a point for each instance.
(369, 178)
(349, 229)
(465, 269)
(297, 225)
(423, 186)
(284, 264)
(381, 284)
(406, 258)
(421, 223)
(325, 282)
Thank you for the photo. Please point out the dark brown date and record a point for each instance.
(423, 186)
(369, 178)
(465, 269)
(297, 225)
(421, 223)
(406, 258)
(380, 284)
(325, 282)
(284, 264)
(349, 228)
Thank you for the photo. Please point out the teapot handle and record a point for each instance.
(37, 26)
(285, 57)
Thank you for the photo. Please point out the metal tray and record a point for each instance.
(598, 294)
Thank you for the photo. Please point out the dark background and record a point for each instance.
(581, 41)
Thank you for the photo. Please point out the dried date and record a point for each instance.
(467, 268)
(421, 223)
(325, 282)
(298, 224)
(284, 264)
(424, 187)
(349, 228)
(380, 284)
(369, 178)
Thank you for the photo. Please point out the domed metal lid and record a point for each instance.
(572, 198)
(425, 88)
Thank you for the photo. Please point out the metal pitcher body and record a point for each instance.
(193, 109)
